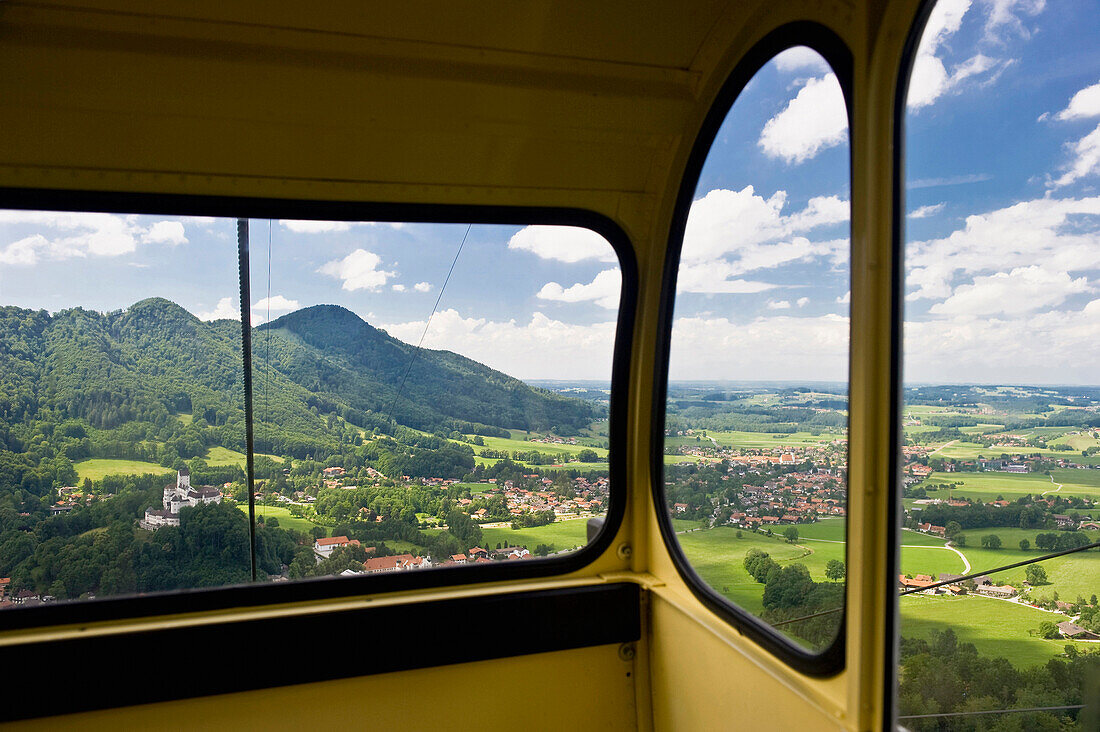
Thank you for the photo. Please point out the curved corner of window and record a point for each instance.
(753, 460)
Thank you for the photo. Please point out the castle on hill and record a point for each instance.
(176, 496)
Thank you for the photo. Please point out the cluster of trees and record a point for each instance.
(941, 675)
(790, 593)
(1023, 513)
(98, 549)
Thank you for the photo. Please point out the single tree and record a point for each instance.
(1024, 545)
(834, 570)
(1035, 574)
(790, 534)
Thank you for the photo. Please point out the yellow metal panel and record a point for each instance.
(589, 688)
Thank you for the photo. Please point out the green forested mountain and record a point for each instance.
(333, 354)
(124, 375)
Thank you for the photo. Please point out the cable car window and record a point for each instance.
(121, 407)
(423, 396)
(1001, 397)
(756, 420)
(430, 395)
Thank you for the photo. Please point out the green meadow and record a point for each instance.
(286, 519)
(987, 486)
(995, 627)
(718, 556)
(99, 468)
(562, 534)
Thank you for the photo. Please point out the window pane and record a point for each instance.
(395, 435)
(121, 406)
(755, 446)
(1002, 406)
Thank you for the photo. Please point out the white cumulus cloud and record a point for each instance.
(276, 303)
(165, 232)
(801, 58)
(1085, 161)
(1046, 230)
(563, 243)
(814, 120)
(1022, 290)
(398, 288)
(603, 290)
(770, 347)
(541, 348)
(63, 235)
(732, 233)
(925, 211)
(227, 309)
(360, 270)
(1084, 104)
(423, 286)
(779, 305)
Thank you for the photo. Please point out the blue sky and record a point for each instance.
(1003, 137)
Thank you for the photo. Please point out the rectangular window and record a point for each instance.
(424, 396)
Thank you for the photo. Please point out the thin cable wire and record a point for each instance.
(416, 352)
(991, 711)
(267, 355)
(954, 580)
(972, 575)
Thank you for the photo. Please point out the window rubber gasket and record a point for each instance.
(322, 588)
(832, 48)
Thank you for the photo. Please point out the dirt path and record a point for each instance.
(949, 444)
(1053, 491)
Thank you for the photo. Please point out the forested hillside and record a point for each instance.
(123, 376)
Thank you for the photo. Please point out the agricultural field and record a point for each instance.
(1070, 576)
(476, 487)
(286, 519)
(931, 560)
(972, 450)
(987, 486)
(718, 555)
(511, 444)
(995, 627)
(99, 468)
(562, 534)
(768, 440)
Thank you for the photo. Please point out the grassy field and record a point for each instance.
(1077, 481)
(1070, 576)
(476, 487)
(718, 555)
(931, 561)
(995, 627)
(987, 486)
(218, 456)
(562, 534)
(763, 440)
(972, 451)
(98, 468)
(286, 520)
(510, 444)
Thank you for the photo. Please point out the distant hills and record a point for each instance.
(155, 360)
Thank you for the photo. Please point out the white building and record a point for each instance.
(175, 497)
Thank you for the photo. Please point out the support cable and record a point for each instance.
(992, 711)
(246, 357)
(416, 351)
(955, 580)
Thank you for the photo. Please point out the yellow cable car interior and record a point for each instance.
(549, 365)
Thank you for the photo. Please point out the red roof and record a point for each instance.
(334, 541)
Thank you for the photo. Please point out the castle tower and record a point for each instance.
(183, 480)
